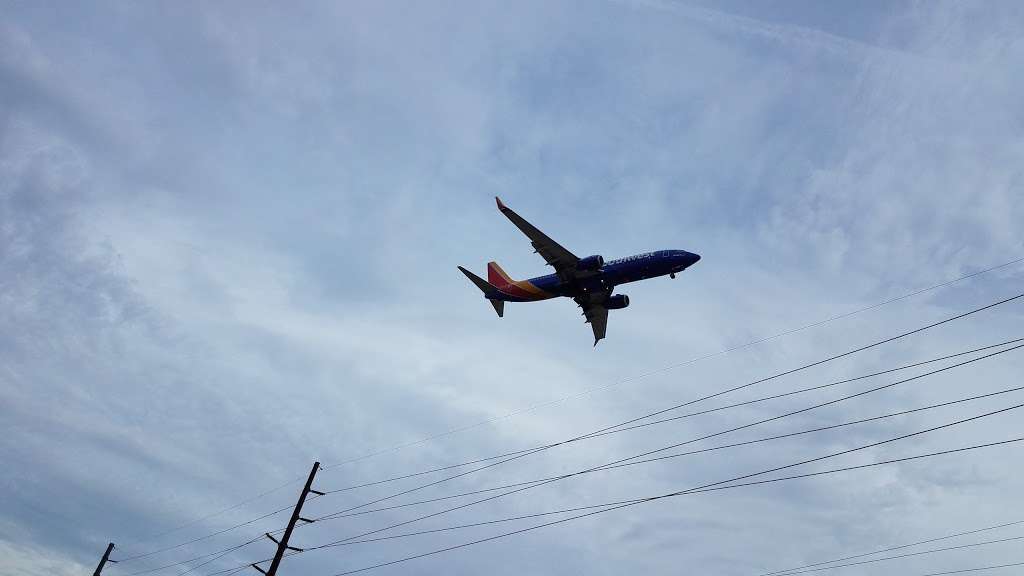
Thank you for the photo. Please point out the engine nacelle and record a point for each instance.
(590, 262)
(617, 301)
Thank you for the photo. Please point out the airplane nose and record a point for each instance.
(692, 258)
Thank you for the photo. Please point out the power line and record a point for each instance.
(517, 490)
(688, 415)
(474, 524)
(978, 569)
(779, 479)
(911, 554)
(809, 389)
(706, 397)
(200, 557)
(609, 506)
(282, 545)
(213, 514)
(688, 453)
(848, 468)
(241, 567)
(343, 513)
(818, 363)
(431, 471)
(700, 489)
(537, 406)
(222, 554)
(693, 360)
(729, 484)
(766, 471)
(639, 500)
(207, 536)
(607, 429)
(357, 536)
(822, 404)
(676, 445)
(900, 547)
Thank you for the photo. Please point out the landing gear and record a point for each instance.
(672, 275)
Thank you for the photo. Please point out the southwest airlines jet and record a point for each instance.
(589, 281)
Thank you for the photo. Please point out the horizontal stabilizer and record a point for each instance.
(482, 284)
(488, 289)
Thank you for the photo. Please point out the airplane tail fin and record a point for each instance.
(496, 276)
(487, 288)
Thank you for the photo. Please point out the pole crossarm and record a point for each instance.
(282, 544)
(104, 560)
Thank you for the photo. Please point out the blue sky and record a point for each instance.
(229, 232)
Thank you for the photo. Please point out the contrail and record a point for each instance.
(781, 33)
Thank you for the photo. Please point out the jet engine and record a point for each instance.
(590, 262)
(617, 301)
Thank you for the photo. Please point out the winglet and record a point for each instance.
(501, 205)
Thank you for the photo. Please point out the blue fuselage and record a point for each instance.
(612, 273)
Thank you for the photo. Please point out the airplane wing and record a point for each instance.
(597, 317)
(553, 253)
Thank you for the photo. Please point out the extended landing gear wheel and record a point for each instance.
(672, 275)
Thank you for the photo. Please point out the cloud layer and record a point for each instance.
(228, 238)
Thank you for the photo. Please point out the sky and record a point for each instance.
(229, 235)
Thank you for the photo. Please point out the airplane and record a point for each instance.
(589, 281)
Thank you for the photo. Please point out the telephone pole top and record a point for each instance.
(282, 545)
(104, 560)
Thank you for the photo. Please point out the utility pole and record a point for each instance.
(104, 560)
(282, 545)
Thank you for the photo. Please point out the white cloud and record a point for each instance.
(229, 239)
(22, 560)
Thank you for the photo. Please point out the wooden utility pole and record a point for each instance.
(104, 560)
(282, 545)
